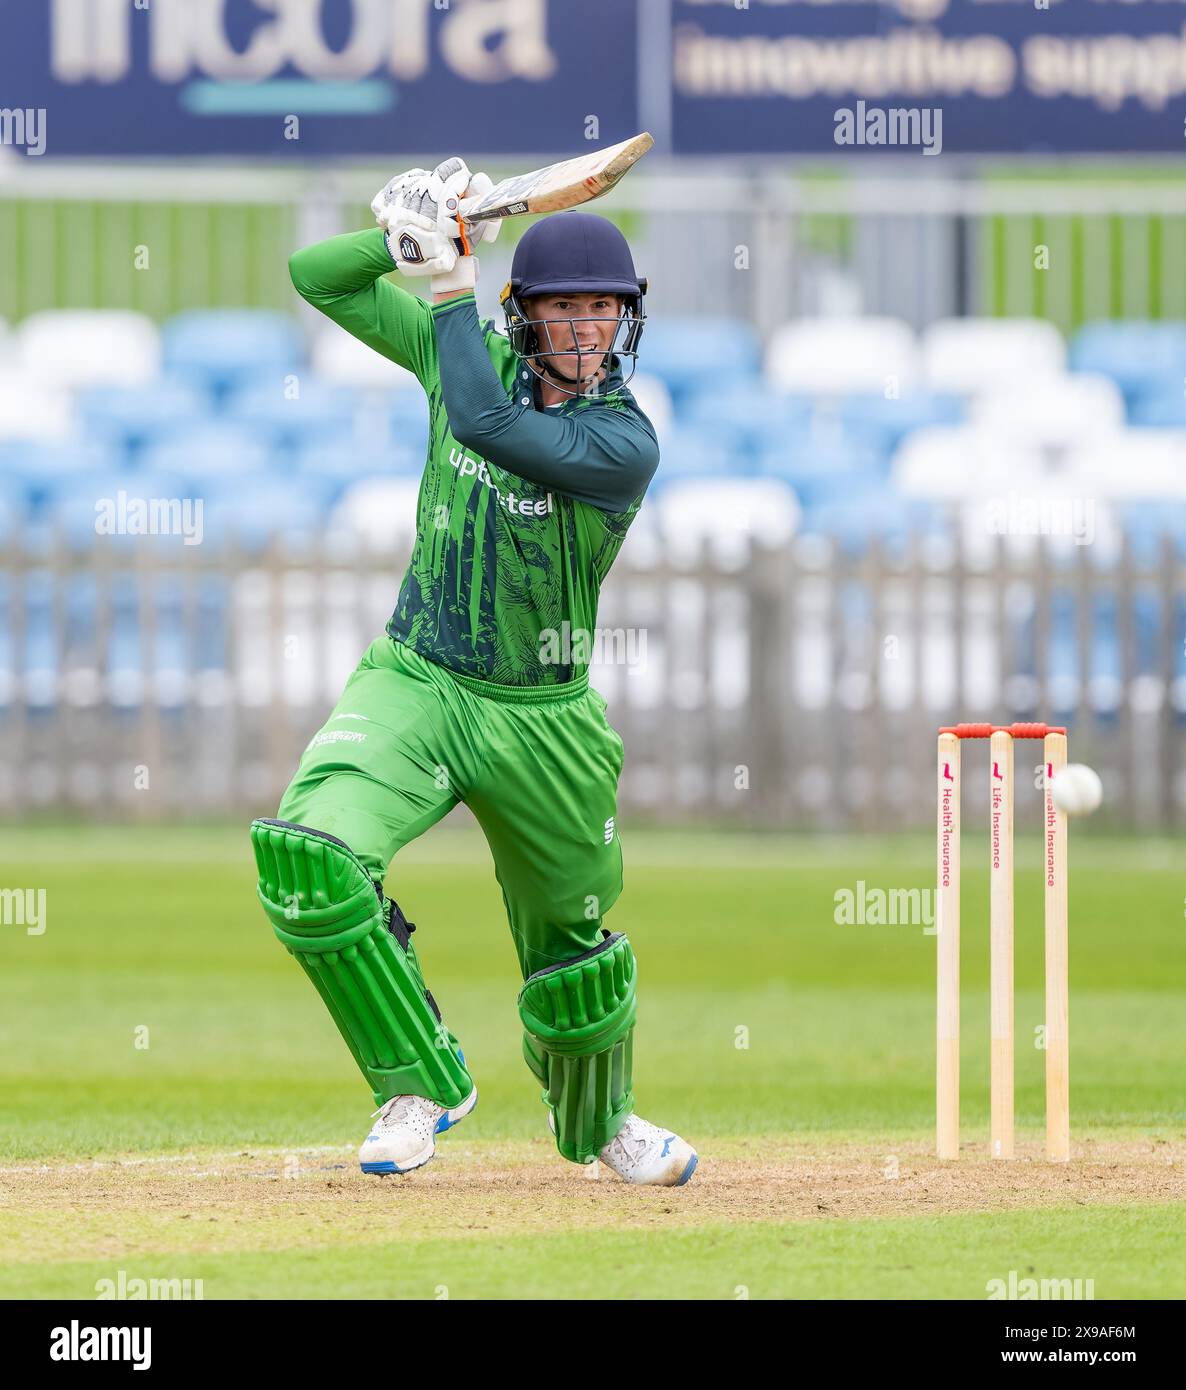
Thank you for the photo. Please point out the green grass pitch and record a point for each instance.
(178, 1105)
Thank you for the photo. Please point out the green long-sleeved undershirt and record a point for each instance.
(521, 511)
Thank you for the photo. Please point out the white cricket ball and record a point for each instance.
(1076, 789)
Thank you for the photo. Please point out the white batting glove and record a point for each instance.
(425, 236)
(467, 239)
(419, 237)
(422, 231)
(386, 201)
(418, 248)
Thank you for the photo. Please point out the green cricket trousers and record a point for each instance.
(538, 767)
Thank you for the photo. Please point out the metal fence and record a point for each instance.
(761, 244)
(798, 686)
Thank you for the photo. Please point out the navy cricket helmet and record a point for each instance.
(574, 253)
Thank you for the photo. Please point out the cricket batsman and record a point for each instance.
(538, 461)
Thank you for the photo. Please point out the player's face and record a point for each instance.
(566, 322)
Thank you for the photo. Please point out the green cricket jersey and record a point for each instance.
(522, 510)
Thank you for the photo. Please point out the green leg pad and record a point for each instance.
(325, 908)
(578, 1020)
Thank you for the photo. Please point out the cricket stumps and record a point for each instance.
(1001, 927)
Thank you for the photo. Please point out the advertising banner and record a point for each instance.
(301, 78)
(928, 76)
(320, 78)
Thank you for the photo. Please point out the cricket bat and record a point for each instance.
(558, 186)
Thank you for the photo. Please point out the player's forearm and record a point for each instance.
(344, 278)
(339, 266)
(475, 398)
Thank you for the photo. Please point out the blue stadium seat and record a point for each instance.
(1134, 354)
(37, 469)
(220, 347)
(247, 487)
(253, 513)
(218, 449)
(872, 512)
(319, 412)
(744, 419)
(688, 454)
(409, 421)
(1163, 406)
(132, 416)
(340, 465)
(821, 471)
(74, 508)
(694, 354)
(883, 423)
(13, 491)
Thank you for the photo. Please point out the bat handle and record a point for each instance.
(466, 207)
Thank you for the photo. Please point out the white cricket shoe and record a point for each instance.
(404, 1136)
(641, 1152)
